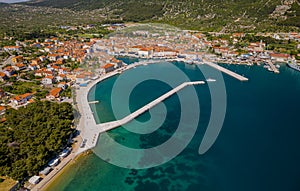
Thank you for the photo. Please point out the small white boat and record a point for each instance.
(211, 80)
(277, 66)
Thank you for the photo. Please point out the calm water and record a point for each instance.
(257, 149)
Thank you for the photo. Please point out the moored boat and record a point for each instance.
(294, 66)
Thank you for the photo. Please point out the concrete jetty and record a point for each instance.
(103, 127)
(273, 67)
(91, 130)
(226, 71)
(93, 102)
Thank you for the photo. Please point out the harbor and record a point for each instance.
(88, 127)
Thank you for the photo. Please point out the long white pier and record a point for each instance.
(91, 130)
(226, 71)
(103, 127)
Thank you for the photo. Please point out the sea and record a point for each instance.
(257, 147)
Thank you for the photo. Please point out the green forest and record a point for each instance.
(31, 136)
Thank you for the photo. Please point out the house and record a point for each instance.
(238, 35)
(42, 58)
(145, 52)
(81, 78)
(36, 61)
(108, 67)
(117, 62)
(3, 76)
(11, 48)
(62, 85)
(9, 71)
(279, 57)
(2, 110)
(53, 57)
(48, 80)
(61, 77)
(19, 66)
(17, 59)
(64, 70)
(21, 99)
(54, 93)
(33, 66)
(38, 73)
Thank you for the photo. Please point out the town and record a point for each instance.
(46, 70)
(53, 69)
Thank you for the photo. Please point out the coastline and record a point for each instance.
(84, 126)
(77, 153)
(66, 168)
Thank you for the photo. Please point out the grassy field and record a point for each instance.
(7, 184)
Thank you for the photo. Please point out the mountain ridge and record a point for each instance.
(203, 15)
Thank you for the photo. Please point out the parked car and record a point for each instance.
(83, 143)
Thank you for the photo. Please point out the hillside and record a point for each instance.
(208, 15)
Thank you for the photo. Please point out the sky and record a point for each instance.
(12, 1)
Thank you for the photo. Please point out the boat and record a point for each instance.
(294, 66)
(277, 66)
(211, 80)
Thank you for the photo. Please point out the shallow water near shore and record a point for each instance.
(257, 148)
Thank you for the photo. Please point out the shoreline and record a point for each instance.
(85, 133)
(47, 186)
(78, 153)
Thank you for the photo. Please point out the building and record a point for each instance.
(9, 71)
(3, 76)
(279, 57)
(145, 52)
(21, 99)
(54, 93)
(62, 85)
(2, 110)
(48, 80)
(11, 48)
(19, 66)
(108, 67)
(33, 67)
(17, 59)
(53, 57)
(81, 78)
(36, 61)
(61, 77)
(117, 62)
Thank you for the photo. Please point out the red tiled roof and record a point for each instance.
(108, 66)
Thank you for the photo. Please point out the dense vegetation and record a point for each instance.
(20, 87)
(210, 15)
(205, 15)
(31, 136)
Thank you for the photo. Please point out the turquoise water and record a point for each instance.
(257, 148)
